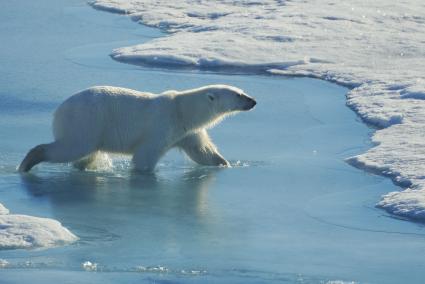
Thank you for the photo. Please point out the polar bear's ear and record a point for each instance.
(211, 96)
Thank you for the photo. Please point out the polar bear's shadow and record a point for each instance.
(71, 193)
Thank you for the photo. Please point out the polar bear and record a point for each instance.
(144, 125)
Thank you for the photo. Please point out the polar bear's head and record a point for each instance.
(227, 99)
(206, 106)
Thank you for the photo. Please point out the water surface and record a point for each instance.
(290, 210)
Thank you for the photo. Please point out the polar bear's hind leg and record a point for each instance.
(55, 152)
(35, 156)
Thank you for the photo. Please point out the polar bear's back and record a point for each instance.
(106, 96)
(91, 113)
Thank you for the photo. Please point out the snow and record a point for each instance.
(23, 231)
(376, 48)
(408, 203)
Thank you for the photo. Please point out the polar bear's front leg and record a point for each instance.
(148, 154)
(201, 149)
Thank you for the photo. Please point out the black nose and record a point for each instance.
(251, 103)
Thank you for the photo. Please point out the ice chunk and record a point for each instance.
(23, 231)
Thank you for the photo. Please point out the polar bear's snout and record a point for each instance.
(249, 103)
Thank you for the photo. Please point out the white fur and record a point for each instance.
(119, 120)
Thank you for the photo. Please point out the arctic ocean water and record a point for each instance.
(290, 210)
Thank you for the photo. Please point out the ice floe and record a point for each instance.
(23, 231)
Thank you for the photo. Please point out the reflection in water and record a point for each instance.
(100, 206)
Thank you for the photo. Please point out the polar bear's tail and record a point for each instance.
(35, 156)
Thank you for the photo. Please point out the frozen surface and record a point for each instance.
(23, 231)
(289, 211)
(375, 47)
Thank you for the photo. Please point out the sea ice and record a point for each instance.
(23, 231)
(376, 48)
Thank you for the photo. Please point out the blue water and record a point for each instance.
(290, 210)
